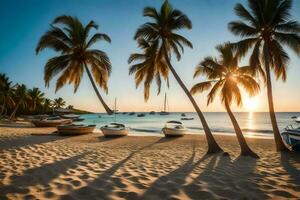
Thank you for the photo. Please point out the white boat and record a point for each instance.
(115, 129)
(297, 119)
(291, 136)
(174, 129)
(70, 116)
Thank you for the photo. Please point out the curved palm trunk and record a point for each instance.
(15, 111)
(278, 140)
(107, 109)
(213, 146)
(245, 149)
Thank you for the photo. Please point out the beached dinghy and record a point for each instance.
(291, 136)
(75, 129)
(51, 122)
(174, 129)
(114, 130)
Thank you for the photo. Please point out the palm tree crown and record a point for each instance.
(72, 40)
(225, 76)
(37, 98)
(59, 102)
(266, 26)
(149, 66)
(163, 27)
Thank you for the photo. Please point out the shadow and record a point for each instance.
(167, 139)
(17, 142)
(171, 184)
(107, 139)
(223, 179)
(105, 183)
(42, 175)
(288, 162)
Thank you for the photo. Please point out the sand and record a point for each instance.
(47, 166)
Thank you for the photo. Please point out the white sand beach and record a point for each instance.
(37, 164)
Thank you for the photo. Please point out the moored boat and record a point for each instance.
(51, 122)
(114, 130)
(291, 136)
(141, 115)
(187, 118)
(174, 129)
(75, 129)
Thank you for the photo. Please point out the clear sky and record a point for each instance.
(24, 21)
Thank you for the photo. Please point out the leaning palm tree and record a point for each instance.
(59, 102)
(265, 27)
(6, 93)
(21, 98)
(72, 40)
(162, 31)
(37, 98)
(225, 76)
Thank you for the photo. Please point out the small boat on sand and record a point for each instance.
(51, 122)
(141, 115)
(114, 130)
(174, 129)
(291, 136)
(75, 129)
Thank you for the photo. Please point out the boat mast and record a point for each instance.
(115, 109)
(165, 104)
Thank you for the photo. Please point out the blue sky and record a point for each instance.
(24, 21)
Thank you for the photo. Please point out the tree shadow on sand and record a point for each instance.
(17, 142)
(42, 175)
(224, 179)
(104, 184)
(166, 186)
(291, 163)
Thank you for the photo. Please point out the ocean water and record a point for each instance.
(253, 124)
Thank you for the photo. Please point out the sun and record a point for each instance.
(251, 104)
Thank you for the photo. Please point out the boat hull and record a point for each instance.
(173, 132)
(50, 123)
(110, 132)
(292, 138)
(75, 130)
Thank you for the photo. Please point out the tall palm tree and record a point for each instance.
(148, 67)
(6, 93)
(265, 27)
(59, 102)
(162, 31)
(225, 76)
(21, 98)
(37, 98)
(72, 40)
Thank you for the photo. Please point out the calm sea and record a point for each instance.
(252, 124)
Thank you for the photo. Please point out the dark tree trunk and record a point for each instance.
(280, 146)
(213, 146)
(12, 116)
(107, 109)
(245, 149)
(2, 108)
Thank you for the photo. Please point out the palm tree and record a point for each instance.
(72, 40)
(21, 99)
(6, 93)
(161, 31)
(47, 105)
(59, 103)
(265, 27)
(225, 76)
(148, 68)
(70, 107)
(37, 98)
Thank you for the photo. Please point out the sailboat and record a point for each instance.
(115, 129)
(164, 112)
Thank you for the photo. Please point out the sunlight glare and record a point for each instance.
(251, 104)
